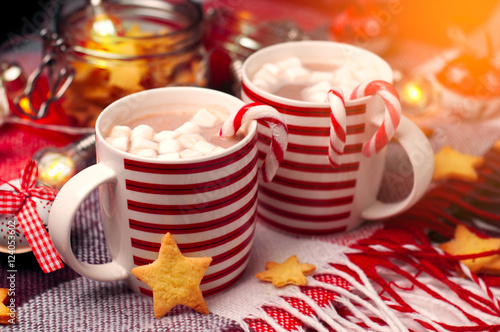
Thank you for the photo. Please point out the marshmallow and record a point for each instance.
(166, 134)
(262, 84)
(218, 149)
(188, 128)
(143, 131)
(316, 97)
(204, 118)
(120, 143)
(189, 140)
(289, 62)
(296, 74)
(318, 76)
(140, 143)
(204, 147)
(263, 77)
(364, 74)
(169, 156)
(188, 153)
(348, 86)
(148, 153)
(317, 92)
(169, 146)
(342, 74)
(271, 68)
(120, 131)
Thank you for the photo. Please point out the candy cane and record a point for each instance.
(279, 133)
(392, 113)
(337, 126)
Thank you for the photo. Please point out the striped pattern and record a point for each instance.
(392, 113)
(272, 119)
(209, 207)
(307, 194)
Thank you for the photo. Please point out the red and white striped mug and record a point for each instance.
(332, 169)
(207, 203)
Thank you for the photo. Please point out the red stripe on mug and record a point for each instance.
(196, 246)
(192, 228)
(355, 109)
(288, 109)
(302, 230)
(308, 131)
(306, 201)
(164, 209)
(186, 189)
(314, 168)
(337, 185)
(189, 168)
(300, 216)
(223, 287)
(218, 241)
(224, 272)
(351, 110)
(217, 259)
(355, 129)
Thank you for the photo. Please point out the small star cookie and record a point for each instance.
(496, 146)
(174, 278)
(466, 242)
(290, 272)
(5, 314)
(449, 163)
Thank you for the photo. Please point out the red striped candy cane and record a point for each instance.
(337, 126)
(279, 133)
(392, 113)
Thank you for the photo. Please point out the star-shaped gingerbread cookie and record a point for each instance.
(449, 163)
(290, 272)
(174, 278)
(466, 242)
(5, 314)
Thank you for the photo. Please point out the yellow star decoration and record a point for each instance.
(449, 163)
(465, 242)
(174, 278)
(290, 272)
(5, 317)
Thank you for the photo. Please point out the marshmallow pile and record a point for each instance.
(291, 71)
(184, 142)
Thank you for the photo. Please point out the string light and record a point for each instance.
(57, 165)
(416, 94)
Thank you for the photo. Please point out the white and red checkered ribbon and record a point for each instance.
(20, 202)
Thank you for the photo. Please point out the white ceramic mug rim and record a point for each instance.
(386, 71)
(251, 132)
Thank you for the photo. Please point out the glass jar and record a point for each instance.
(151, 44)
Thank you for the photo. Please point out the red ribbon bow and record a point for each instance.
(20, 202)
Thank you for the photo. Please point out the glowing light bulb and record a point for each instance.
(103, 26)
(57, 165)
(54, 168)
(416, 94)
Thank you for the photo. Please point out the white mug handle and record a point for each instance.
(421, 158)
(62, 215)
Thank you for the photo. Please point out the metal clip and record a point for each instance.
(57, 88)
